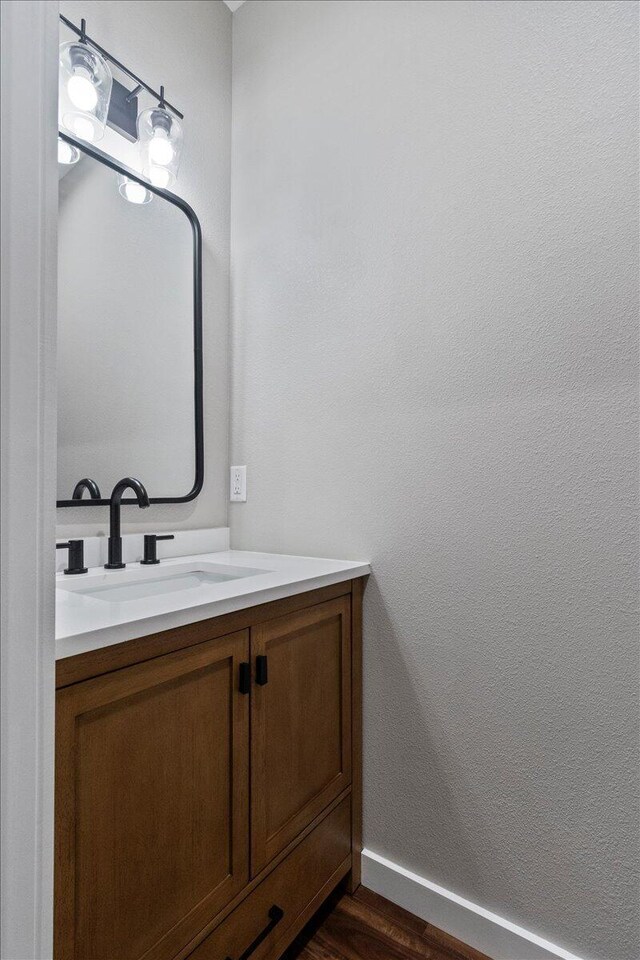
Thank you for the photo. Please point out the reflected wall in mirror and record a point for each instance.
(129, 334)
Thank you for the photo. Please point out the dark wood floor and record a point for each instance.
(367, 927)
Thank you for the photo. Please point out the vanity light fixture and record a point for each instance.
(67, 154)
(84, 88)
(91, 97)
(133, 191)
(160, 138)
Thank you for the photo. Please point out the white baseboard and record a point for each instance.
(475, 926)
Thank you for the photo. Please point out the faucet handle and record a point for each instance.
(76, 556)
(150, 552)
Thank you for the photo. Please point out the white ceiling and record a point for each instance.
(234, 4)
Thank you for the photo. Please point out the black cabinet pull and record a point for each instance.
(262, 675)
(275, 916)
(244, 682)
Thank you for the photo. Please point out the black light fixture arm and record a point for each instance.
(81, 32)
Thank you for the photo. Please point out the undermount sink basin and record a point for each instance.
(136, 583)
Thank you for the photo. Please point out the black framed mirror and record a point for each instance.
(129, 333)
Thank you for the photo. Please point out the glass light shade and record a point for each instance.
(66, 153)
(133, 191)
(160, 139)
(84, 90)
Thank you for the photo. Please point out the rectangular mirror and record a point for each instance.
(129, 333)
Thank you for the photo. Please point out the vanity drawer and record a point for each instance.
(282, 896)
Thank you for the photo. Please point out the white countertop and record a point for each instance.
(86, 622)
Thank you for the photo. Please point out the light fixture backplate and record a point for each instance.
(123, 115)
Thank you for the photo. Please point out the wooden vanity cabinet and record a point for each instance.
(208, 783)
(300, 723)
(152, 802)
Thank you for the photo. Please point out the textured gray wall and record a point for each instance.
(187, 47)
(434, 342)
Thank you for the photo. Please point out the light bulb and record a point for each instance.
(81, 126)
(132, 191)
(135, 192)
(160, 177)
(160, 143)
(82, 92)
(66, 153)
(85, 82)
(160, 149)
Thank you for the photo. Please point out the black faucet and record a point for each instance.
(115, 539)
(86, 484)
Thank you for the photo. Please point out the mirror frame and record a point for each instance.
(108, 161)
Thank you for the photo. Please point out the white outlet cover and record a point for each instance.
(238, 484)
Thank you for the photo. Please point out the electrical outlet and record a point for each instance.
(238, 484)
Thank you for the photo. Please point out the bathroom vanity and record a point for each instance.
(208, 713)
(208, 787)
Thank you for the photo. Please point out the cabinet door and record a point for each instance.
(300, 722)
(152, 810)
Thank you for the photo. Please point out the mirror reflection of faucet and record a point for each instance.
(87, 484)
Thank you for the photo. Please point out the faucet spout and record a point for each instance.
(90, 486)
(115, 503)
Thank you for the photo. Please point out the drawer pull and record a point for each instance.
(262, 675)
(275, 916)
(244, 680)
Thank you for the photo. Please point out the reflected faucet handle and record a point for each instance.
(150, 541)
(76, 556)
